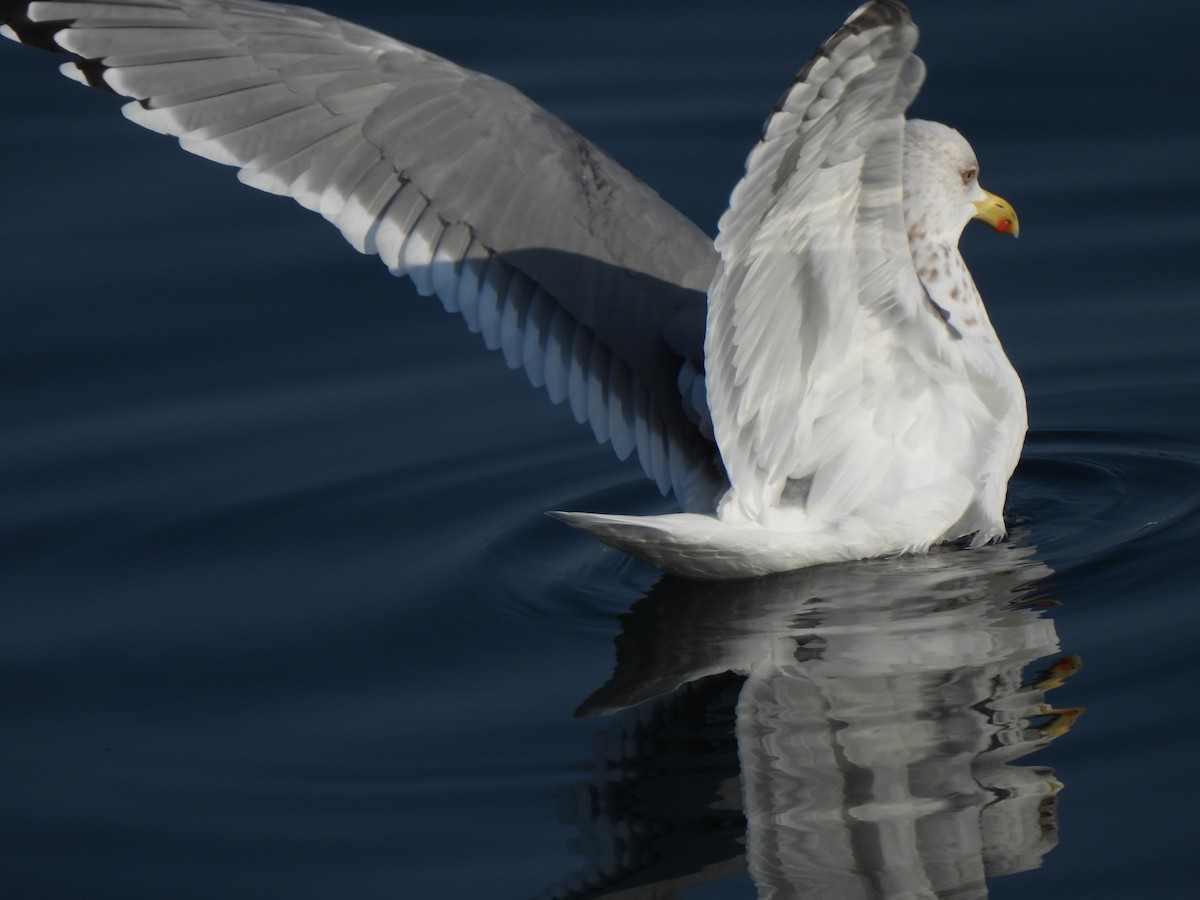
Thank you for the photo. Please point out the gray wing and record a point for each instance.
(815, 268)
(559, 257)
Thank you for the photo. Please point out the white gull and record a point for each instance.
(841, 394)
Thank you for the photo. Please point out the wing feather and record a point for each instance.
(535, 338)
(622, 431)
(517, 297)
(557, 255)
(447, 264)
(598, 364)
(814, 260)
(491, 300)
(470, 285)
(577, 378)
(559, 337)
(404, 222)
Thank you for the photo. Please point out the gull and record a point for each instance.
(821, 383)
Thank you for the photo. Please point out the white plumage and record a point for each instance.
(858, 396)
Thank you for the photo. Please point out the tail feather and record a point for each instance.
(700, 547)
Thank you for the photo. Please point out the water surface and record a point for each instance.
(283, 617)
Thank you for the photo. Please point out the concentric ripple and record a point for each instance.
(1091, 495)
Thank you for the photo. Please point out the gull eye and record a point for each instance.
(969, 175)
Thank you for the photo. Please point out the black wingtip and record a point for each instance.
(93, 72)
(877, 14)
(43, 36)
(882, 12)
(36, 34)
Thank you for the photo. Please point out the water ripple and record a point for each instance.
(1089, 495)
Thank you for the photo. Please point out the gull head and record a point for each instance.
(941, 186)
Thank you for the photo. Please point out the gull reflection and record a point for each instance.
(841, 732)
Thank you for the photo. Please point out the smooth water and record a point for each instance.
(282, 616)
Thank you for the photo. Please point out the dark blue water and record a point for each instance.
(282, 616)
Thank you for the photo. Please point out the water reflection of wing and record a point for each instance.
(881, 706)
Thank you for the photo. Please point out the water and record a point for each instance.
(282, 616)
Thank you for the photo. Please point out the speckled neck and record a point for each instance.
(949, 285)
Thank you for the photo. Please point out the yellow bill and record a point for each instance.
(998, 213)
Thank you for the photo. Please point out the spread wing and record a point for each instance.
(560, 258)
(814, 263)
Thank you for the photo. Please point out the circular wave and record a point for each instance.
(1086, 495)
